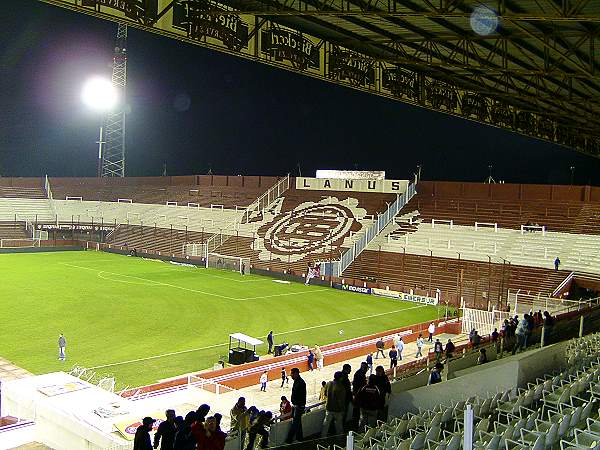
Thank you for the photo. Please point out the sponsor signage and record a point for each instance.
(134, 9)
(354, 185)
(194, 18)
(402, 83)
(441, 94)
(351, 174)
(64, 226)
(359, 289)
(406, 297)
(291, 46)
(474, 105)
(351, 67)
(502, 114)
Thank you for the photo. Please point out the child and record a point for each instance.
(284, 377)
(263, 381)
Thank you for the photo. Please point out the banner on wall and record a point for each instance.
(350, 288)
(406, 297)
(352, 174)
(352, 185)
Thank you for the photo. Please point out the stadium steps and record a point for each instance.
(570, 217)
(162, 216)
(576, 251)
(150, 239)
(13, 230)
(21, 192)
(588, 220)
(227, 196)
(31, 209)
(454, 277)
(371, 202)
(251, 247)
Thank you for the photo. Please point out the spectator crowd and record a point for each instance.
(350, 404)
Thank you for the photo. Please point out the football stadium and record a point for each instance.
(346, 307)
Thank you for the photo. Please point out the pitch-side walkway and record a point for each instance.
(270, 399)
(9, 371)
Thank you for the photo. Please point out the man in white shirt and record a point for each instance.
(264, 378)
(431, 330)
(400, 348)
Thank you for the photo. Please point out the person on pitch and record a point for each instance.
(62, 347)
(270, 341)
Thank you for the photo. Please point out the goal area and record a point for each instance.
(226, 262)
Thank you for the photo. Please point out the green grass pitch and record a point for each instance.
(142, 321)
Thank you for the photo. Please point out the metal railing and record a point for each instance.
(260, 204)
(266, 200)
(372, 231)
(521, 303)
(47, 188)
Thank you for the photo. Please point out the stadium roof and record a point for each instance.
(535, 71)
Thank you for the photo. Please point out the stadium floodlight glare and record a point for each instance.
(99, 94)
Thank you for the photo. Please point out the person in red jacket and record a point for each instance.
(208, 437)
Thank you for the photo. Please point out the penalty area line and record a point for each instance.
(191, 350)
(160, 283)
(157, 283)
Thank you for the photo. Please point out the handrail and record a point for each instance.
(278, 188)
(270, 195)
(47, 188)
(372, 231)
(563, 284)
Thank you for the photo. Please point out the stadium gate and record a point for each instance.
(483, 321)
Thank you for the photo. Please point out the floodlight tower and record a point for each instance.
(113, 155)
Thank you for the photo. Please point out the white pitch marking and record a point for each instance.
(220, 276)
(155, 282)
(282, 295)
(276, 334)
(138, 283)
(159, 283)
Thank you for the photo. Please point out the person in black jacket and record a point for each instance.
(385, 388)
(346, 371)
(369, 400)
(142, 440)
(166, 431)
(270, 341)
(359, 380)
(299, 403)
(184, 440)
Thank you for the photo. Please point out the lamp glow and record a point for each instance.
(484, 20)
(99, 94)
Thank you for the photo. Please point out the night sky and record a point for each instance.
(198, 109)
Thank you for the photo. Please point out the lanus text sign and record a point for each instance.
(337, 184)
